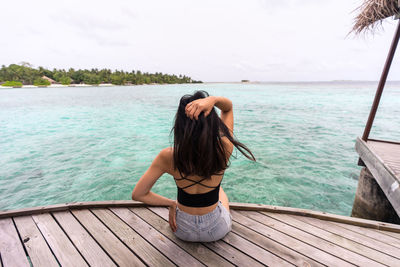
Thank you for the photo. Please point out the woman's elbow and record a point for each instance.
(136, 195)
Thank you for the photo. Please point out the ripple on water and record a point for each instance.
(85, 144)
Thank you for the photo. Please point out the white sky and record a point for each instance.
(219, 40)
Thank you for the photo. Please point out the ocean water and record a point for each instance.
(83, 144)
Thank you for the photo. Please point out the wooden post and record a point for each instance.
(382, 82)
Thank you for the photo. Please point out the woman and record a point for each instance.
(203, 143)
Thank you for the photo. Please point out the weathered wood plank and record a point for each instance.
(278, 249)
(357, 237)
(208, 253)
(317, 214)
(254, 251)
(35, 244)
(11, 250)
(107, 240)
(334, 238)
(258, 223)
(60, 245)
(71, 205)
(258, 253)
(133, 240)
(395, 235)
(392, 241)
(87, 246)
(166, 246)
(233, 205)
(284, 227)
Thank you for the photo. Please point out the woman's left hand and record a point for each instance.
(172, 217)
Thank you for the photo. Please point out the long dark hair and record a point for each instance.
(198, 147)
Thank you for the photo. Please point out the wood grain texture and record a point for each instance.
(336, 239)
(374, 234)
(285, 225)
(163, 244)
(106, 239)
(11, 250)
(357, 237)
(236, 206)
(82, 240)
(60, 245)
(274, 247)
(35, 244)
(149, 254)
(257, 222)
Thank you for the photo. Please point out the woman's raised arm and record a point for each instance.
(194, 108)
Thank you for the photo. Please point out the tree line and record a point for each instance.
(26, 74)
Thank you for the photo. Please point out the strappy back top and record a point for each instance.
(197, 200)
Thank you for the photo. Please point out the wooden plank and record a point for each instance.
(211, 254)
(71, 205)
(258, 223)
(11, 250)
(36, 246)
(133, 240)
(317, 214)
(392, 241)
(87, 246)
(60, 245)
(106, 239)
(258, 253)
(254, 251)
(395, 235)
(310, 239)
(233, 205)
(334, 238)
(357, 237)
(274, 247)
(161, 242)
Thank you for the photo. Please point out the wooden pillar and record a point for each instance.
(371, 202)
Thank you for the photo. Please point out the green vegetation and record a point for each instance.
(26, 74)
(12, 84)
(65, 80)
(41, 82)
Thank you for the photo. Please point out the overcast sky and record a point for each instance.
(219, 40)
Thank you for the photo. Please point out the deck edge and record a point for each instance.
(233, 205)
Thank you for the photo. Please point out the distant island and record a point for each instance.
(24, 74)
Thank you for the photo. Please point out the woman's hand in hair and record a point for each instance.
(172, 217)
(194, 108)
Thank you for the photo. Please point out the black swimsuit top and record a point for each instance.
(198, 200)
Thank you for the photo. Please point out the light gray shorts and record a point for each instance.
(203, 228)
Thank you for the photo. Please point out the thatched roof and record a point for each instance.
(49, 79)
(372, 12)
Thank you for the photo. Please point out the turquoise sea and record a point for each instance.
(93, 143)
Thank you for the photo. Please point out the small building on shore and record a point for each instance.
(49, 79)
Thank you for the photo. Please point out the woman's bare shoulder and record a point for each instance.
(166, 157)
(166, 153)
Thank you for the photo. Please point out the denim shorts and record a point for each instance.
(203, 228)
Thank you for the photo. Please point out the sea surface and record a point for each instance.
(69, 144)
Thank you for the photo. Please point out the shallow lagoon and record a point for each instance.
(93, 143)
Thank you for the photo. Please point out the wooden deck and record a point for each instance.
(127, 233)
(382, 159)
